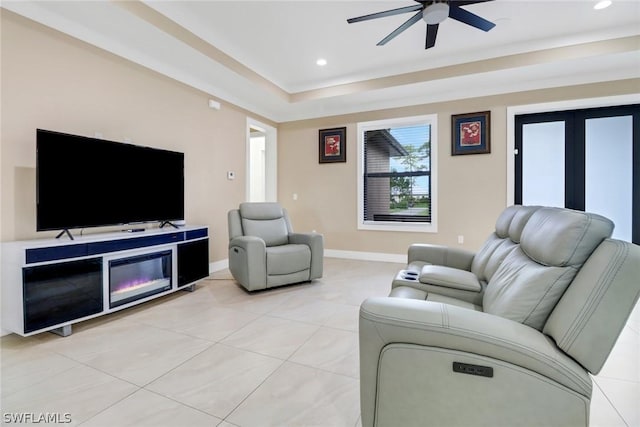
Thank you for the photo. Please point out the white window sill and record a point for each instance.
(396, 226)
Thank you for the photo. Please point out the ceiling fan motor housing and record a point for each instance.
(435, 13)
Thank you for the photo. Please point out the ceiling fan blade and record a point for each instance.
(432, 32)
(464, 3)
(466, 17)
(415, 18)
(385, 13)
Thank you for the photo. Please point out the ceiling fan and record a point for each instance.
(433, 13)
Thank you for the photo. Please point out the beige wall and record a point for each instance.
(472, 189)
(55, 82)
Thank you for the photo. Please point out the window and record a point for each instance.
(397, 174)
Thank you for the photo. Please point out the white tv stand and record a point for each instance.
(50, 284)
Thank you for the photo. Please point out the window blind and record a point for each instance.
(397, 174)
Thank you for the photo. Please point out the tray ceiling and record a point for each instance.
(261, 55)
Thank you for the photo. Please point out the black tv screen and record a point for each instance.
(88, 182)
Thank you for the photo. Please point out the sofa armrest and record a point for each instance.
(248, 261)
(441, 255)
(447, 277)
(386, 321)
(315, 241)
(248, 243)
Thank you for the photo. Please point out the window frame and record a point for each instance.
(362, 127)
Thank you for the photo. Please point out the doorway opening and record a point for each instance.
(257, 166)
(261, 162)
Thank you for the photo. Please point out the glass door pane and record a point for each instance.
(609, 171)
(543, 160)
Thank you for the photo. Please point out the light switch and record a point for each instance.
(231, 175)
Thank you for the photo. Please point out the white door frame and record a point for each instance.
(271, 159)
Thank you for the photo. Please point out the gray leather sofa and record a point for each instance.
(264, 252)
(555, 293)
(435, 271)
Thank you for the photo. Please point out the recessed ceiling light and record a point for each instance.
(321, 62)
(602, 4)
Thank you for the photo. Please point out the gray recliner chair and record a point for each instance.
(264, 252)
(549, 316)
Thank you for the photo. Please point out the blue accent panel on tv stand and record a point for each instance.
(54, 253)
(139, 242)
(196, 234)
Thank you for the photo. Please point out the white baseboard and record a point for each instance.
(333, 253)
(366, 256)
(218, 265)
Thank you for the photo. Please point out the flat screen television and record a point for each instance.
(88, 182)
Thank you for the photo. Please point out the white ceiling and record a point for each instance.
(260, 55)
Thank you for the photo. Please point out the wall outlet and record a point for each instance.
(231, 175)
(460, 239)
(295, 196)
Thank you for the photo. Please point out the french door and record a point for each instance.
(585, 159)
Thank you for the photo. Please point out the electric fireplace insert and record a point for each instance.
(138, 277)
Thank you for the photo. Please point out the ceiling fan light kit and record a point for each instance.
(433, 13)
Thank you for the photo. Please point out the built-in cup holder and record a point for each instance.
(409, 275)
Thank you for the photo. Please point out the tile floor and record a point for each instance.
(222, 357)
